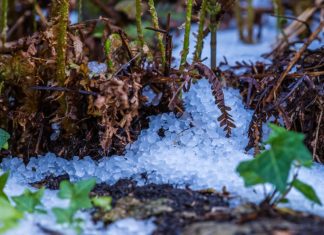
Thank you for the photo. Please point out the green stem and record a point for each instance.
(3, 22)
(80, 10)
(63, 12)
(279, 11)
(250, 21)
(139, 22)
(239, 20)
(214, 9)
(213, 48)
(185, 50)
(200, 36)
(155, 22)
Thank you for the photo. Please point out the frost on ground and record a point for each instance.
(193, 150)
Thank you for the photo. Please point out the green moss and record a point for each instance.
(139, 22)
(200, 36)
(155, 21)
(185, 50)
(3, 21)
(61, 33)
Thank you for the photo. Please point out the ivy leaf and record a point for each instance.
(66, 190)
(5, 146)
(29, 201)
(284, 201)
(84, 187)
(81, 198)
(102, 202)
(77, 193)
(4, 137)
(290, 144)
(9, 216)
(3, 182)
(307, 191)
(250, 177)
(63, 215)
(273, 165)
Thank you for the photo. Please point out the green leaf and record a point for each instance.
(273, 165)
(78, 194)
(6, 146)
(284, 201)
(102, 202)
(290, 144)
(66, 190)
(81, 202)
(3, 182)
(4, 137)
(81, 198)
(84, 187)
(307, 191)
(63, 215)
(9, 216)
(29, 201)
(250, 177)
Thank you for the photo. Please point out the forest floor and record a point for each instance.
(184, 169)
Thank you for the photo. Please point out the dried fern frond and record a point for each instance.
(255, 134)
(225, 119)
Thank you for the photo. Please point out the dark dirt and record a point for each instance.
(183, 205)
(190, 212)
(51, 182)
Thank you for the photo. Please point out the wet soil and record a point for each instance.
(190, 212)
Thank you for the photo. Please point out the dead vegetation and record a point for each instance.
(51, 102)
(288, 91)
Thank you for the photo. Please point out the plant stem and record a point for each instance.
(168, 48)
(279, 11)
(155, 22)
(63, 13)
(34, 16)
(185, 50)
(283, 195)
(214, 8)
(80, 10)
(250, 21)
(139, 22)
(239, 20)
(3, 22)
(200, 36)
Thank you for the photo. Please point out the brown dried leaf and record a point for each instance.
(225, 118)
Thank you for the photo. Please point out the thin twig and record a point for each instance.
(168, 48)
(39, 12)
(316, 136)
(313, 36)
(56, 88)
(309, 30)
(106, 9)
(20, 20)
(127, 64)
